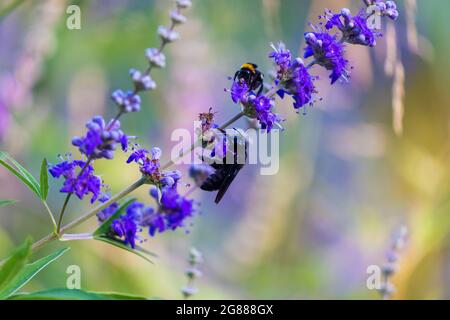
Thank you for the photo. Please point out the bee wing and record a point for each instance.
(231, 173)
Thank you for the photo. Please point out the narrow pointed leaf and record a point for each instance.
(73, 294)
(14, 264)
(44, 180)
(23, 171)
(20, 172)
(7, 202)
(26, 273)
(141, 252)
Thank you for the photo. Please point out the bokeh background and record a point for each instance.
(369, 158)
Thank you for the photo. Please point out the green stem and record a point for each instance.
(69, 195)
(50, 214)
(63, 210)
(90, 214)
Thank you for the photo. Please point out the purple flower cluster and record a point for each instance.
(282, 58)
(130, 101)
(354, 28)
(101, 139)
(171, 213)
(292, 76)
(149, 165)
(328, 52)
(385, 8)
(127, 102)
(78, 177)
(263, 108)
(255, 106)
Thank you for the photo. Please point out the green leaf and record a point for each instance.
(105, 226)
(20, 172)
(73, 294)
(14, 264)
(27, 272)
(44, 180)
(139, 251)
(7, 202)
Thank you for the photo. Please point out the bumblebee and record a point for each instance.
(225, 173)
(251, 75)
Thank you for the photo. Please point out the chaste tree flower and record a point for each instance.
(328, 52)
(170, 214)
(101, 139)
(292, 75)
(78, 177)
(354, 28)
(149, 165)
(255, 106)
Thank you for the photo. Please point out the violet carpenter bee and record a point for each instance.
(233, 160)
(251, 75)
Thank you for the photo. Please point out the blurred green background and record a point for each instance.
(348, 177)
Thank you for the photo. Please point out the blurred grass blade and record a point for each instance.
(27, 272)
(9, 7)
(73, 294)
(141, 252)
(105, 226)
(44, 180)
(20, 172)
(7, 202)
(14, 264)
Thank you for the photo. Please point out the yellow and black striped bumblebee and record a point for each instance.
(250, 74)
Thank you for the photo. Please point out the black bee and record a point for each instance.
(251, 75)
(225, 173)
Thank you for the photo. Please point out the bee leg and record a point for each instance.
(236, 75)
(261, 87)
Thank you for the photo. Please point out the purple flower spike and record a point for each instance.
(354, 28)
(327, 52)
(127, 102)
(282, 58)
(101, 139)
(85, 183)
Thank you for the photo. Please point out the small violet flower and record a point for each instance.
(155, 57)
(327, 52)
(293, 77)
(388, 8)
(101, 139)
(127, 102)
(86, 182)
(354, 28)
(167, 34)
(171, 213)
(142, 82)
(263, 109)
(173, 210)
